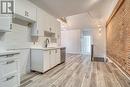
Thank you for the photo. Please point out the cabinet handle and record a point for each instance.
(10, 55)
(37, 32)
(10, 26)
(55, 51)
(49, 52)
(26, 13)
(9, 62)
(9, 78)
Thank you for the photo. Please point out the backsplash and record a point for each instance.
(19, 37)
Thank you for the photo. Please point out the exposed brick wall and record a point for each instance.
(118, 37)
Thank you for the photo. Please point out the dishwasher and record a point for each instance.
(63, 54)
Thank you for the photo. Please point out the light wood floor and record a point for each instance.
(78, 71)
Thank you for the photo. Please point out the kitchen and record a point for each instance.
(25, 35)
(64, 43)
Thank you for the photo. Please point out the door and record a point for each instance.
(5, 24)
(46, 60)
(24, 9)
(20, 7)
(24, 61)
(52, 58)
(86, 45)
(57, 51)
(30, 11)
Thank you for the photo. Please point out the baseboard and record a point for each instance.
(74, 53)
(109, 60)
(99, 59)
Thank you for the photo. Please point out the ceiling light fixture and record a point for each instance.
(99, 25)
(62, 20)
(100, 31)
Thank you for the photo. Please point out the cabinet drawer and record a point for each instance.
(10, 81)
(8, 57)
(8, 67)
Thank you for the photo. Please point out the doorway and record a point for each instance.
(86, 45)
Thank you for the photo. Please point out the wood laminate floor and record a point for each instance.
(78, 71)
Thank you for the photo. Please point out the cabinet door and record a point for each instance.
(24, 61)
(40, 22)
(58, 56)
(30, 11)
(11, 80)
(52, 59)
(46, 60)
(25, 10)
(8, 67)
(40, 25)
(5, 24)
(20, 7)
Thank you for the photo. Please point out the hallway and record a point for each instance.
(78, 71)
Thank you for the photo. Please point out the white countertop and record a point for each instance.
(49, 48)
(2, 53)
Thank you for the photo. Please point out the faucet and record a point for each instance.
(46, 42)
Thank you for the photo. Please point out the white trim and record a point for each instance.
(109, 60)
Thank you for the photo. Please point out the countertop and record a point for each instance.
(49, 48)
(4, 53)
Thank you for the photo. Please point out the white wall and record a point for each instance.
(71, 40)
(99, 42)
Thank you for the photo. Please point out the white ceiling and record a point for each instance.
(79, 21)
(64, 8)
(79, 13)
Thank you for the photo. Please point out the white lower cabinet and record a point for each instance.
(52, 58)
(9, 70)
(11, 80)
(8, 67)
(58, 60)
(24, 61)
(46, 60)
(43, 60)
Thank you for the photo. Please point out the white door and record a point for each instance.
(86, 45)
(5, 24)
(20, 7)
(52, 59)
(57, 56)
(46, 60)
(24, 61)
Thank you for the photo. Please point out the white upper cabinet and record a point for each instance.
(45, 22)
(5, 24)
(38, 27)
(25, 10)
(42, 23)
